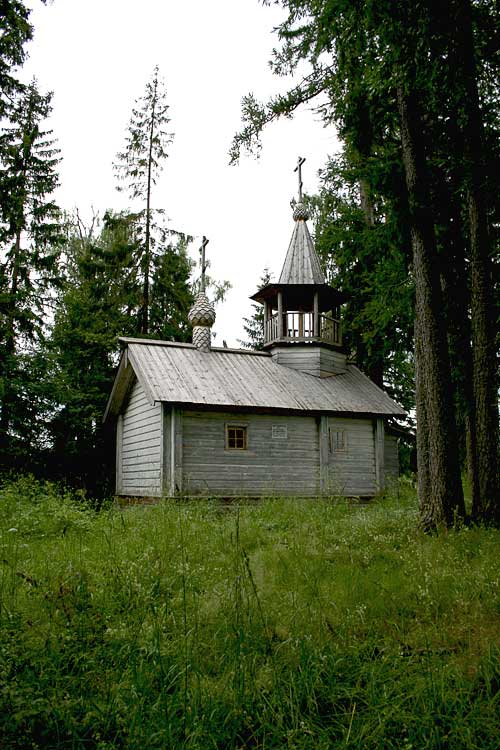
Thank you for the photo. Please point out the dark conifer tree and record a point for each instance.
(171, 290)
(99, 302)
(138, 167)
(15, 32)
(30, 233)
(254, 326)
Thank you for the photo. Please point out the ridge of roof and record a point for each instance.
(178, 344)
(153, 342)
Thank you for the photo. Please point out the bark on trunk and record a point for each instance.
(440, 487)
(10, 340)
(374, 359)
(457, 302)
(423, 475)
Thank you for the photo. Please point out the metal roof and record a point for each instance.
(181, 374)
(301, 264)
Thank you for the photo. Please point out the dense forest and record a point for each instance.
(407, 217)
(406, 224)
(69, 289)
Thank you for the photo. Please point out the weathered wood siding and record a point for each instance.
(352, 470)
(269, 466)
(140, 467)
(391, 457)
(313, 360)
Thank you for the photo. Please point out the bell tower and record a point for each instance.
(302, 327)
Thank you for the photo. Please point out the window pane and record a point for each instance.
(236, 438)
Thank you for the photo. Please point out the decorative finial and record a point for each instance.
(202, 314)
(204, 264)
(298, 169)
(299, 210)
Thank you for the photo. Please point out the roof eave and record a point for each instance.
(123, 380)
(325, 291)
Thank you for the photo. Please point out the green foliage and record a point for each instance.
(298, 624)
(139, 165)
(370, 264)
(15, 31)
(101, 301)
(172, 295)
(29, 227)
(30, 240)
(254, 326)
(141, 162)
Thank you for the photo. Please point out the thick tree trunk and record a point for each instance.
(423, 460)
(457, 303)
(440, 488)
(487, 504)
(367, 203)
(10, 342)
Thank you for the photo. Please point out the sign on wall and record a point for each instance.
(280, 432)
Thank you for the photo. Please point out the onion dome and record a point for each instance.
(202, 312)
(300, 212)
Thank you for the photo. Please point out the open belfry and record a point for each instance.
(302, 326)
(296, 419)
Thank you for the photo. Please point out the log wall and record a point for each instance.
(282, 455)
(139, 446)
(352, 468)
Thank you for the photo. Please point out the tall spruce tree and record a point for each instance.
(30, 244)
(138, 167)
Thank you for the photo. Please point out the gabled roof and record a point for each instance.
(301, 264)
(229, 378)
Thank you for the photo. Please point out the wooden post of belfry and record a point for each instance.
(298, 169)
(316, 328)
(280, 315)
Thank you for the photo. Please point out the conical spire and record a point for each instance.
(301, 264)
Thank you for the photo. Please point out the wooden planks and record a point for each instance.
(379, 454)
(279, 466)
(313, 360)
(323, 454)
(352, 470)
(139, 446)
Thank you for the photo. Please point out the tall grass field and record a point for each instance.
(293, 624)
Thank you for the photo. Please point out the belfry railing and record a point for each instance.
(299, 327)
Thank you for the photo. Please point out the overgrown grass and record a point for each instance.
(287, 624)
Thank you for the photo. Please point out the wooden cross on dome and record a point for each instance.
(298, 169)
(204, 263)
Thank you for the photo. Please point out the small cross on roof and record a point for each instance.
(298, 169)
(204, 263)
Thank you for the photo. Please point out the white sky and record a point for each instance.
(97, 55)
